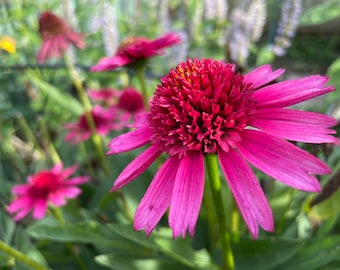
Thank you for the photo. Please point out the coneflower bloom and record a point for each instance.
(48, 186)
(204, 107)
(56, 35)
(104, 120)
(127, 103)
(135, 50)
(107, 96)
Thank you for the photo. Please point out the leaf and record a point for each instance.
(327, 208)
(321, 13)
(161, 241)
(264, 254)
(66, 101)
(315, 253)
(24, 244)
(130, 261)
(81, 232)
(334, 73)
(265, 56)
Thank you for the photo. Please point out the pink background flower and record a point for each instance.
(56, 36)
(49, 186)
(104, 120)
(134, 49)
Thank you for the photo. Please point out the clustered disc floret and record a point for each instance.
(201, 105)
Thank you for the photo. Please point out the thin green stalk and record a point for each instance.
(50, 146)
(27, 131)
(141, 78)
(21, 256)
(96, 139)
(215, 185)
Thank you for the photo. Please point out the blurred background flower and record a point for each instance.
(48, 186)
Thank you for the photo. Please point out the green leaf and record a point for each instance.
(265, 56)
(315, 253)
(319, 14)
(162, 241)
(326, 208)
(334, 73)
(264, 254)
(80, 232)
(24, 244)
(66, 101)
(130, 261)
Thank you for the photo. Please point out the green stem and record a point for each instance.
(50, 146)
(215, 184)
(21, 256)
(27, 131)
(96, 139)
(141, 78)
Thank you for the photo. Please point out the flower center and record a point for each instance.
(51, 25)
(199, 106)
(43, 184)
(98, 120)
(127, 42)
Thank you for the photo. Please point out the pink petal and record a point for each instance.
(20, 203)
(77, 180)
(20, 189)
(57, 169)
(166, 40)
(70, 192)
(69, 171)
(130, 140)
(137, 166)
(109, 63)
(291, 92)
(57, 198)
(282, 160)
(187, 194)
(296, 125)
(262, 75)
(40, 208)
(157, 198)
(23, 212)
(247, 192)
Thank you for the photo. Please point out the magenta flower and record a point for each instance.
(127, 103)
(204, 107)
(56, 36)
(104, 120)
(136, 49)
(49, 186)
(107, 96)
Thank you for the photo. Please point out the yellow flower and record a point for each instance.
(7, 44)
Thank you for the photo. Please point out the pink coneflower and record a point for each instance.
(56, 36)
(127, 103)
(136, 49)
(104, 120)
(204, 107)
(48, 186)
(107, 96)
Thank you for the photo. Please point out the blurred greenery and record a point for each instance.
(37, 100)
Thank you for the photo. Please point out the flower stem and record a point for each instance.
(215, 184)
(50, 146)
(141, 78)
(21, 256)
(96, 139)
